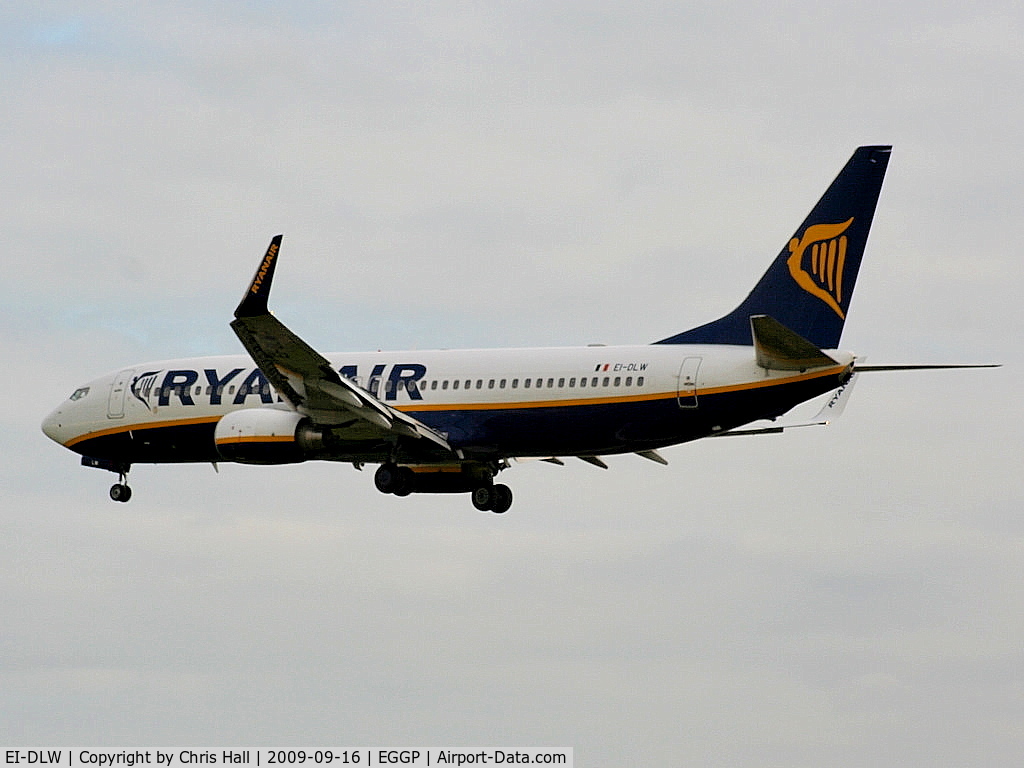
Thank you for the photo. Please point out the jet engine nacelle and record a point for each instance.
(266, 436)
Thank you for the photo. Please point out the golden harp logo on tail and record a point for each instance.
(824, 246)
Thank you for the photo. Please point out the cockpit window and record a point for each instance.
(80, 393)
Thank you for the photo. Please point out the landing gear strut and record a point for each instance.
(119, 491)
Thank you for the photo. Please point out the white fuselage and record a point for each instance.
(443, 388)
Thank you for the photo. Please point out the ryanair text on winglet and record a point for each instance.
(264, 267)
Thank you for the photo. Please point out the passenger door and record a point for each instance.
(118, 393)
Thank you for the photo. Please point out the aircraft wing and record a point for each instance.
(306, 379)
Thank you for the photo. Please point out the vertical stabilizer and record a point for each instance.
(809, 285)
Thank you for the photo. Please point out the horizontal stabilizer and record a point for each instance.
(869, 368)
(780, 349)
(830, 411)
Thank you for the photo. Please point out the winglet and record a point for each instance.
(254, 303)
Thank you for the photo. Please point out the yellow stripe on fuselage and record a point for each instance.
(522, 404)
(700, 392)
(255, 439)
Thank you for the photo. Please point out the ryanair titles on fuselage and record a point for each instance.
(238, 384)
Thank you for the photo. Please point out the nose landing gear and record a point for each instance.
(120, 491)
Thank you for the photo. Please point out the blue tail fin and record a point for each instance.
(809, 285)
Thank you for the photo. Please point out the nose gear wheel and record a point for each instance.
(120, 491)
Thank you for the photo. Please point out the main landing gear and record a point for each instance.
(473, 479)
(390, 478)
(493, 498)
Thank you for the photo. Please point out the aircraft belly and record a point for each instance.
(167, 444)
(554, 430)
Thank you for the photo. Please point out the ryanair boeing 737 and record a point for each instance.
(450, 421)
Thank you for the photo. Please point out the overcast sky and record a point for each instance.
(517, 174)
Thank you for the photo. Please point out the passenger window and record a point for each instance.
(593, 382)
(561, 383)
(583, 382)
(469, 383)
(444, 384)
(515, 383)
(490, 384)
(572, 382)
(617, 380)
(526, 383)
(501, 384)
(604, 383)
(639, 381)
(551, 383)
(479, 383)
(455, 384)
(629, 381)
(433, 384)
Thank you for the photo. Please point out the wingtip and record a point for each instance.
(255, 300)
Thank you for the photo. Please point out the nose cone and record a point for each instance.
(53, 426)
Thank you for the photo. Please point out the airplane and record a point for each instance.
(449, 421)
